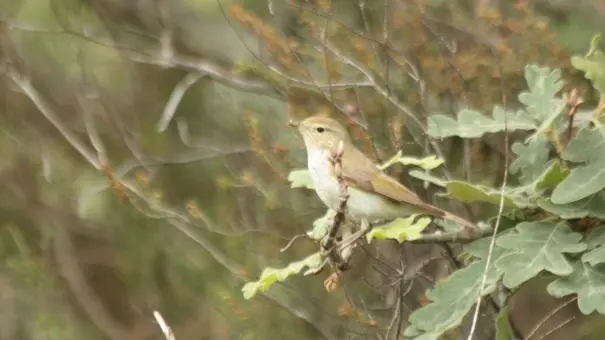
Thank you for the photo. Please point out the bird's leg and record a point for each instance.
(364, 228)
(345, 253)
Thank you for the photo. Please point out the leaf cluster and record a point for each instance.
(557, 202)
(559, 168)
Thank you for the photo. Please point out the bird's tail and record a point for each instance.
(437, 212)
(459, 220)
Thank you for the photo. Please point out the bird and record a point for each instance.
(373, 195)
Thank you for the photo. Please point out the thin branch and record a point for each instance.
(574, 101)
(166, 35)
(202, 66)
(570, 319)
(175, 99)
(548, 316)
(166, 330)
(498, 219)
(339, 218)
(178, 220)
(385, 93)
(91, 304)
(44, 107)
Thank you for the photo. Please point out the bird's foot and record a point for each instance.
(347, 245)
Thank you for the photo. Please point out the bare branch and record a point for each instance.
(25, 85)
(492, 243)
(175, 98)
(548, 316)
(90, 302)
(166, 330)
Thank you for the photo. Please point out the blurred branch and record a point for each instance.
(384, 92)
(202, 66)
(294, 309)
(179, 221)
(166, 330)
(175, 98)
(44, 107)
(67, 261)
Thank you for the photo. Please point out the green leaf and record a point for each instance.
(595, 237)
(473, 124)
(595, 241)
(589, 206)
(466, 192)
(320, 225)
(504, 331)
(531, 158)
(587, 146)
(594, 44)
(454, 297)
(593, 66)
(541, 101)
(271, 275)
(400, 229)
(537, 246)
(588, 282)
(542, 108)
(428, 163)
(422, 175)
(412, 333)
(554, 174)
(594, 256)
(300, 178)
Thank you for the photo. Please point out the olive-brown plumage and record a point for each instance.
(373, 195)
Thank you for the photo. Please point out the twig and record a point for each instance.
(292, 242)
(340, 216)
(66, 258)
(548, 316)
(570, 319)
(168, 334)
(44, 107)
(175, 98)
(176, 219)
(574, 101)
(336, 161)
(166, 37)
(492, 243)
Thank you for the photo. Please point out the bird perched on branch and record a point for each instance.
(372, 194)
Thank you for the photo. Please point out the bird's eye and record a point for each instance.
(320, 129)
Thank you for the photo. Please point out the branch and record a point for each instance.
(339, 218)
(44, 107)
(167, 57)
(180, 221)
(91, 304)
(166, 330)
(175, 99)
(328, 242)
(463, 236)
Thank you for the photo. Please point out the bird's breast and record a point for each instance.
(325, 182)
(360, 204)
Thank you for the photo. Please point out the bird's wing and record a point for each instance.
(365, 175)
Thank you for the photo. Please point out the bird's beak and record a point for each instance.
(293, 124)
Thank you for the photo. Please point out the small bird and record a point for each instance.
(372, 195)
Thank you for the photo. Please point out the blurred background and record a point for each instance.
(144, 156)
